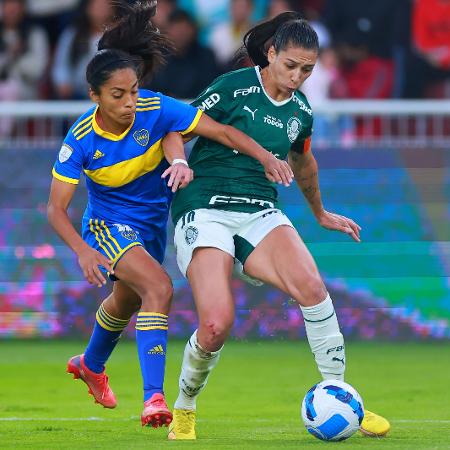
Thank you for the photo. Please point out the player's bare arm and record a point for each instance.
(276, 170)
(306, 174)
(61, 194)
(180, 173)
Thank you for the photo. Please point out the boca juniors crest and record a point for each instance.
(142, 137)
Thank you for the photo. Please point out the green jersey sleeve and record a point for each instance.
(214, 99)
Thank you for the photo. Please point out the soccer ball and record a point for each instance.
(332, 410)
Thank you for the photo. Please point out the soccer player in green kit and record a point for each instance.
(229, 212)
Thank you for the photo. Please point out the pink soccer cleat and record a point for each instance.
(96, 382)
(156, 413)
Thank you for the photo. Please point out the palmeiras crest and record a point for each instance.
(190, 235)
(294, 127)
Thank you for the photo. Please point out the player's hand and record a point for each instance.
(180, 176)
(277, 170)
(340, 223)
(89, 259)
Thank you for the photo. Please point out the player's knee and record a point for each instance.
(157, 295)
(216, 331)
(309, 293)
(135, 304)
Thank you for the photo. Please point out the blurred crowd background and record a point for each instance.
(389, 170)
(369, 49)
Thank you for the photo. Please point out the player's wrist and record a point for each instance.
(180, 161)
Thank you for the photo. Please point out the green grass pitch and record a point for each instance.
(252, 400)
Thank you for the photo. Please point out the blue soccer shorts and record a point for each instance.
(113, 240)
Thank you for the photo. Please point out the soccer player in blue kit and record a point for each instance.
(118, 145)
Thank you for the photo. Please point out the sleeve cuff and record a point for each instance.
(194, 122)
(63, 178)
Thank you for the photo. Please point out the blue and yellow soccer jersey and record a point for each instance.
(123, 173)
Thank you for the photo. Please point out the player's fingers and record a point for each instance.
(354, 224)
(99, 278)
(173, 176)
(176, 183)
(166, 172)
(285, 174)
(274, 172)
(90, 277)
(106, 263)
(270, 177)
(348, 230)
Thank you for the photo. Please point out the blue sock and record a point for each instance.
(106, 333)
(151, 338)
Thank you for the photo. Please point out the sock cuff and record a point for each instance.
(204, 354)
(108, 322)
(151, 321)
(320, 312)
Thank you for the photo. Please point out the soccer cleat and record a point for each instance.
(374, 425)
(96, 382)
(183, 425)
(156, 413)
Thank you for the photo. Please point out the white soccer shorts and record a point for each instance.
(235, 233)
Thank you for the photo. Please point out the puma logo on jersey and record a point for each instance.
(98, 154)
(246, 108)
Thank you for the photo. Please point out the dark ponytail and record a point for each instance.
(132, 42)
(288, 28)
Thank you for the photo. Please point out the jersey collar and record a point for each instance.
(106, 134)
(275, 102)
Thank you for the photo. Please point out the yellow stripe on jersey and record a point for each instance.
(83, 122)
(138, 104)
(148, 99)
(83, 128)
(63, 178)
(194, 122)
(140, 109)
(81, 136)
(127, 171)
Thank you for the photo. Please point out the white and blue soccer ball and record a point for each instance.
(332, 410)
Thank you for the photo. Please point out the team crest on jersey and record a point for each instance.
(126, 231)
(65, 153)
(294, 127)
(141, 137)
(190, 235)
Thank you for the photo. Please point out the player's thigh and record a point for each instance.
(145, 276)
(209, 275)
(283, 260)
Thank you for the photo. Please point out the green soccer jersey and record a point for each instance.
(224, 178)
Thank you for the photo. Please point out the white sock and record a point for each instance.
(196, 367)
(325, 339)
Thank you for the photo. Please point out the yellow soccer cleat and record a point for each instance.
(183, 425)
(374, 425)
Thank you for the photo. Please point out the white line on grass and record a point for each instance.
(125, 419)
